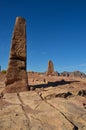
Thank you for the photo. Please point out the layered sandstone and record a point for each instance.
(50, 70)
(16, 77)
(59, 104)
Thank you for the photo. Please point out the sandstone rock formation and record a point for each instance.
(56, 107)
(66, 74)
(50, 70)
(73, 74)
(16, 77)
(78, 74)
(82, 93)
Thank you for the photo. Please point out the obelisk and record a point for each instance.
(16, 76)
(50, 70)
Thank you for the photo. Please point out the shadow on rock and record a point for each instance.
(60, 95)
(53, 84)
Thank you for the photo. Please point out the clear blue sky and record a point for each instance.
(56, 30)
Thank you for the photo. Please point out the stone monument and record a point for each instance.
(50, 70)
(16, 76)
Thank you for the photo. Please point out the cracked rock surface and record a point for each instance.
(42, 108)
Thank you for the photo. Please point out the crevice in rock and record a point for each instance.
(17, 58)
(61, 95)
(12, 120)
(35, 118)
(25, 113)
(74, 126)
(36, 107)
(1, 95)
(82, 93)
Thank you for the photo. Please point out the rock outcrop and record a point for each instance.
(60, 95)
(66, 74)
(16, 76)
(58, 107)
(82, 93)
(77, 74)
(50, 70)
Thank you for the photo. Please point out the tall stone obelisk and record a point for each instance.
(16, 76)
(50, 70)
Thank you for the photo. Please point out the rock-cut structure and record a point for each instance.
(50, 70)
(16, 76)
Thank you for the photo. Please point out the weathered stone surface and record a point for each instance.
(61, 95)
(82, 93)
(77, 74)
(16, 77)
(50, 70)
(45, 109)
(66, 74)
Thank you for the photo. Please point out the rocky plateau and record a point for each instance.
(53, 103)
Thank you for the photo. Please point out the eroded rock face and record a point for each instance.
(60, 95)
(16, 77)
(50, 70)
(76, 74)
(82, 93)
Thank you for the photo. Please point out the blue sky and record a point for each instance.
(56, 30)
